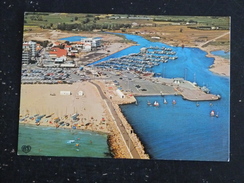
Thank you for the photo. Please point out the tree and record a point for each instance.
(67, 42)
(76, 18)
(45, 43)
(86, 20)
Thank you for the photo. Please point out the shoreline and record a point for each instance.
(65, 128)
(134, 137)
(116, 102)
(115, 140)
(34, 94)
(220, 66)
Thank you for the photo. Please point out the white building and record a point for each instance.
(80, 93)
(65, 93)
(33, 48)
(29, 51)
(120, 93)
(91, 42)
(26, 56)
(60, 60)
(30, 45)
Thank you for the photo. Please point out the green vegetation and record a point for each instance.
(89, 22)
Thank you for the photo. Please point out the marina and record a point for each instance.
(150, 99)
(142, 61)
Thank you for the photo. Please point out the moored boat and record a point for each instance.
(217, 115)
(212, 113)
(165, 101)
(156, 104)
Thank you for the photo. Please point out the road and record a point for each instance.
(130, 146)
(201, 45)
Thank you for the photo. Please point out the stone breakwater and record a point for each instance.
(133, 136)
(115, 141)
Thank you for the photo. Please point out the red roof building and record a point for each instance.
(57, 52)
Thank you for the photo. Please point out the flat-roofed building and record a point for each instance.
(30, 45)
(26, 56)
(91, 43)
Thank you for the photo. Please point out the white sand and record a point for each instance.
(36, 99)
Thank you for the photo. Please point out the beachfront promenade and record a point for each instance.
(120, 126)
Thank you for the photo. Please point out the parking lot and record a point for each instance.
(31, 74)
(132, 82)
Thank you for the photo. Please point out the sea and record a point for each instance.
(222, 53)
(49, 141)
(183, 131)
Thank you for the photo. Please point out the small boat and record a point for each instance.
(149, 103)
(48, 116)
(212, 113)
(70, 141)
(217, 115)
(197, 104)
(165, 101)
(174, 102)
(156, 103)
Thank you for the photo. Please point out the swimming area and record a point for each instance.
(182, 131)
(49, 141)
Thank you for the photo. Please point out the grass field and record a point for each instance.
(58, 18)
(174, 30)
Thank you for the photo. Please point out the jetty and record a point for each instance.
(146, 85)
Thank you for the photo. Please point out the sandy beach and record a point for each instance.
(221, 65)
(93, 112)
(47, 100)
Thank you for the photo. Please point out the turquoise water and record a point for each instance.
(221, 53)
(182, 131)
(73, 38)
(169, 132)
(49, 141)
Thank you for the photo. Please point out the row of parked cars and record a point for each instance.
(46, 76)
